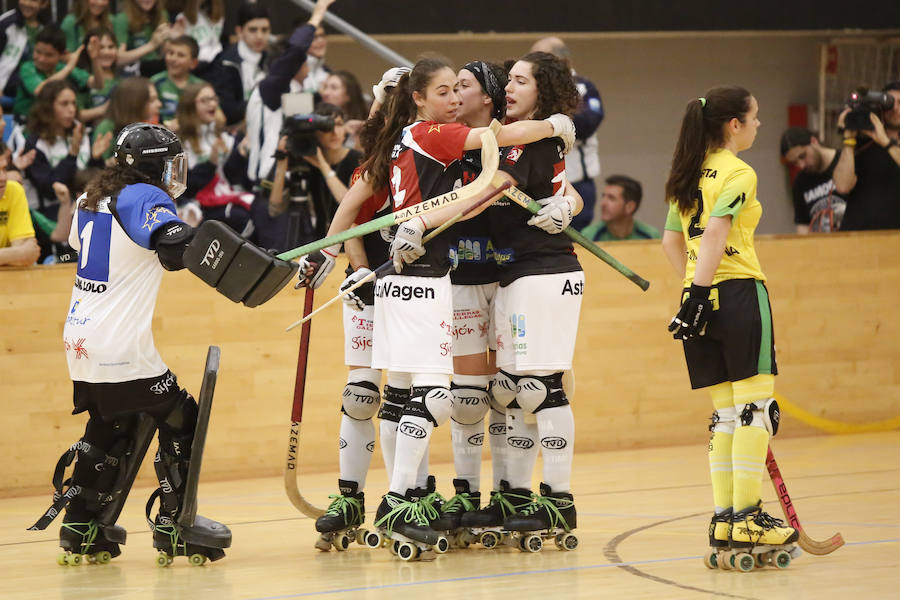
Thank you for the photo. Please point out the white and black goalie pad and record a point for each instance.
(239, 270)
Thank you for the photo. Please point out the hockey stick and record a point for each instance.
(291, 472)
(490, 159)
(819, 548)
(344, 27)
(525, 201)
(388, 266)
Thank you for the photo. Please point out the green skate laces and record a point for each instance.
(427, 503)
(507, 508)
(410, 512)
(87, 537)
(170, 531)
(342, 505)
(539, 503)
(458, 503)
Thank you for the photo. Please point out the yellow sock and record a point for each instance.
(720, 446)
(748, 453)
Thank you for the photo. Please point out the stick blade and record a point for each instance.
(818, 548)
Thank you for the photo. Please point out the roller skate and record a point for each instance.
(486, 525)
(432, 503)
(341, 523)
(203, 541)
(453, 509)
(548, 515)
(402, 526)
(759, 539)
(89, 542)
(719, 549)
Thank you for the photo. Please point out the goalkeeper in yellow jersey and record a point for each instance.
(725, 321)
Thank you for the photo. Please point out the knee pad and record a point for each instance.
(535, 393)
(762, 413)
(503, 391)
(431, 403)
(360, 400)
(395, 400)
(723, 420)
(470, 403)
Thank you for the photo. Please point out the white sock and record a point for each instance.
(410, 452)
(387, 429)
(521, 448)
(422, 473)
(357, 445)
(556, 428)
(497, 437)
(467, 441)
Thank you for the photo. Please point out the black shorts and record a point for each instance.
(112, 400)
(739, 342)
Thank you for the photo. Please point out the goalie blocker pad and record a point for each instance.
(239, 270)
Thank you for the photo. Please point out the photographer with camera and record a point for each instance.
(868, 170)
(312, 169)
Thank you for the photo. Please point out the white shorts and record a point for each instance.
(413, 324)
(536, 320)
(358, 336)
(473, 327)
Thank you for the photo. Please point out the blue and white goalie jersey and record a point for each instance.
(107, 335)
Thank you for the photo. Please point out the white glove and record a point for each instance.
(563, 128)
(388, 80)
(355, 299)
(321, 262)
(555, 215)
(407, 246)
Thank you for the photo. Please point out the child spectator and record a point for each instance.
(142, 27)
(47, 65)
(84, 16)
(239, 67)
(18, 29)
(203, 20)
(18, 245)
(100, 57)
(132, 100)
(181, 59)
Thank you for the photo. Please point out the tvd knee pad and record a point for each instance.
(395, 400)
(503, 391)
(360, 400)
(762, 413)
(535, 393)
(470, 403)
(431, 403)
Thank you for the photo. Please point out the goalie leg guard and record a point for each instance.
(239, 270)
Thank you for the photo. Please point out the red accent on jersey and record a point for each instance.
(559, 178)
(372, 205)
(441, 141)
(515, 153)
(421, 158)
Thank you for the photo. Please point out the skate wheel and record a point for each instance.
(489, 539)
(61, 559)
(531, 543)
(744, 562)
(442, 545)
(395, 547)
(569, 542)
(197, 559)
(323, 544)
(163, 560)
(73, 560)
(361, 536)
(726, 560)
(781, 559)
(103, 557)
(762, 559)
(90, 558)
(406, 551)
(373, 539)
(710, 559)
(341, 543)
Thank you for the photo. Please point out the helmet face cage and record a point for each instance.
(174, 175)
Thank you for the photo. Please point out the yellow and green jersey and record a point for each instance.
(727, 187)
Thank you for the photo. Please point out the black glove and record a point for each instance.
(694, 313)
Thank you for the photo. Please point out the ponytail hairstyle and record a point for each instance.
(556, 86)
(702, 128)
(399, 110)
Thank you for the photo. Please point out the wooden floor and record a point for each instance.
(642, 525)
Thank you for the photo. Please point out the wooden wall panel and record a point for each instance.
(836, 329)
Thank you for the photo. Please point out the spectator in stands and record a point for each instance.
(18, 245)
(239, 67)
(817, 206)
(99, 58)
(133, 100)
(214, 165)
(18, 30)
(141, 27)
(203, 20)
(583, 161)
(181, 58)
(868, 170)
(620, 201)
(342, 89)
(48, 65)
(315, 62)
(84, 16)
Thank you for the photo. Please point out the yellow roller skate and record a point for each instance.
(759, 539)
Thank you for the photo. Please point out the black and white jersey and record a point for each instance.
(520, 249)
(471, 248)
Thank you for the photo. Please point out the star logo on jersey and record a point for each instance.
(152, 216)
(78, 347)
(483, 329)
(514, 154)
(435, 127)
